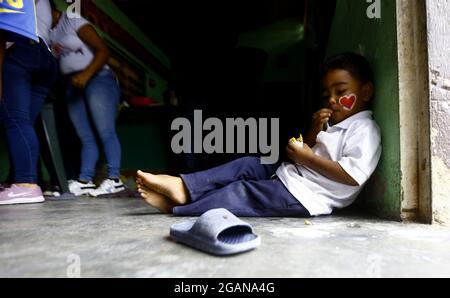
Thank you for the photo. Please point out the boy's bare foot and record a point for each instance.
(156, 199)
(169, 186)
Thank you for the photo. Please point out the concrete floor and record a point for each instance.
(126, 238)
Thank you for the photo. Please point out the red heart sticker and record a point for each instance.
(348, 102)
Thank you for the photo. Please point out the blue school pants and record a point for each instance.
(245, 187)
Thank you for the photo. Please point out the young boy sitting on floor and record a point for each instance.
(340, 153)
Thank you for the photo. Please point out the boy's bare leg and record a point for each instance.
(169, 186)
(157, 200)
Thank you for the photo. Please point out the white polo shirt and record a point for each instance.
(355, 144)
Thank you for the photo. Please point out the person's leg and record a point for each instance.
(246, 168)
(102, 97)
(15, 111)
(264, 198)
(195, 186)
(30, 72)
(80, 119)
(43, 82)
(40, 83)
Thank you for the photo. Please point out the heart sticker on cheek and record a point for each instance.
(348, 101)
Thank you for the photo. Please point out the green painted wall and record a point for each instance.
(377, 40)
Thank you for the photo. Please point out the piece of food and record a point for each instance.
(296, 140)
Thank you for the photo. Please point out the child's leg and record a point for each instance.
(265, 198)
(247, 168)
(193, 186)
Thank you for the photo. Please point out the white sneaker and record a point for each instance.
(108, 187)
(81, 189)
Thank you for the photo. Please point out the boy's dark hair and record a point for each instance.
(355, 64)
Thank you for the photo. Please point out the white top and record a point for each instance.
(73, 53)
(44, 19)
(355, 144)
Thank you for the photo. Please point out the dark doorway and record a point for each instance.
(214, 72)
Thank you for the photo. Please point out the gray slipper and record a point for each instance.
(218, 232)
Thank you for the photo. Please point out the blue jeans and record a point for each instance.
(93, 112)
(29, 71)
(245, 187)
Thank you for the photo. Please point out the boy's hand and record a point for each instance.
(319, 120)
(298, 154)
(304, 156)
